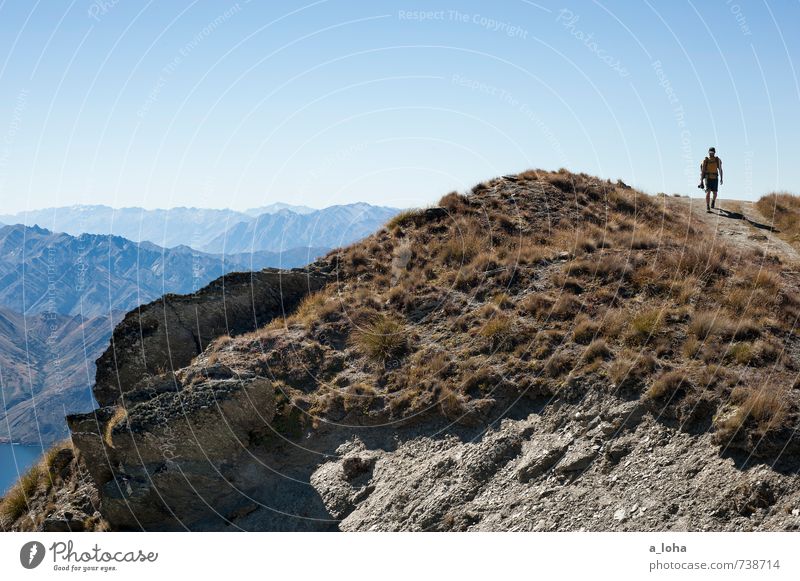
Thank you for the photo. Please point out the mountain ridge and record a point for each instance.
(549, 352)
(168, 228)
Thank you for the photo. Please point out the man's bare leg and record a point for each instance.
(714, 200)
(708, 200)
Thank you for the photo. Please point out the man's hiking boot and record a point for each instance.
(713, 202)
(708, 208)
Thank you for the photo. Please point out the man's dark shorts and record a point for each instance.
(712, 184)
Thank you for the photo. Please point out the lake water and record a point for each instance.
(13, 458)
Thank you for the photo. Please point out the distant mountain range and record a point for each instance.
(92, 274)
(331, 227)
(275, 228)
(47, 369)
(60, 297)
(68, 274)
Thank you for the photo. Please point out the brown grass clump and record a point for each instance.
(701, 259)
(782, 209)
(706, 324)
(404, 218)
(498, 331)
(585, 330)
(450, 403)
(630, 369)
(566, 307)
(668, 384)
(742, 353)
(463, 243)
(644, 326)
(765, 407)
(39, 479)
(16, 502)
(609, 267)
(557, 365)
(312, 308)
(597, 349)
(538, 305)
(381, 337)
(454, 202)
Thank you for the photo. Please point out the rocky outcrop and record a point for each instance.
(166, 334)
(166, 461)
(543, 474)
(176, 450)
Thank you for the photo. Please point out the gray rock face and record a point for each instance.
(167, 462)
(540, 474)
(541, 455)
(170, 332)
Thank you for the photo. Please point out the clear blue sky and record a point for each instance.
(226, 104)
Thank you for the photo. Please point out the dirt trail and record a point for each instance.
(741, 224)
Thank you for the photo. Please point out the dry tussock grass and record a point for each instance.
(782, 209)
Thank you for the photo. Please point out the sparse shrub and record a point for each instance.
(766, 407)
(404, 218)
(16, 502)
(742, 353)
(566, 307)
(645, 326)
(630, 369)
(454, 202)
(782, 209)
(450, 403)
(557, 365)
(597, 349)
(691, 347)
(585, 330)
(668, 384)
(381, 337)
(498, 331)
(706, 324)
(538, 305)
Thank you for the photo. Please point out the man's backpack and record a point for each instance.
(711, 167)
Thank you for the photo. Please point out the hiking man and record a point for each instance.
(710, 169)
